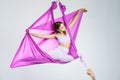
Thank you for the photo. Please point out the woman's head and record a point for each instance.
(59, 27)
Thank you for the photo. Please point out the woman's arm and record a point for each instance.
(76, 17)
(42, 35)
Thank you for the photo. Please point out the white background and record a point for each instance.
(98, 39)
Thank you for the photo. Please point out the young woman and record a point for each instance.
(60, 53)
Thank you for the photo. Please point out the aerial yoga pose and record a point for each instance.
(45, 44)
(61, 51)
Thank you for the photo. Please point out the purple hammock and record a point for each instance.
(34, 50)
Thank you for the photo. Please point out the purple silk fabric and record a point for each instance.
(34, 50)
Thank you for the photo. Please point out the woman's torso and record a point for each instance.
(64, 40)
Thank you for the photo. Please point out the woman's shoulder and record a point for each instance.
(54, 34)
(57, 35)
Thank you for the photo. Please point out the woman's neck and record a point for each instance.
(63, 33)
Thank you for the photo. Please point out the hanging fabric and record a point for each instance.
(34, 50)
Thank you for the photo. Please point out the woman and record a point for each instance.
(60, 53)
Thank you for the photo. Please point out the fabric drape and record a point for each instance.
(34, 50)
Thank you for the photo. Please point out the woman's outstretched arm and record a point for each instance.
(76, 17)
(42, 35)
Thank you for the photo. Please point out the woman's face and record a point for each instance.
(62, 28)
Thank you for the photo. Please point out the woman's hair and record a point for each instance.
(57, 26)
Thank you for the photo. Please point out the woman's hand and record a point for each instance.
(27, 30)
(82, 10)
(91, 74)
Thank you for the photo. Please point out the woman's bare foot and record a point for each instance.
(91, 74)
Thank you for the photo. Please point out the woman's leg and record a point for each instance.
(66, 58)
(60, 53)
